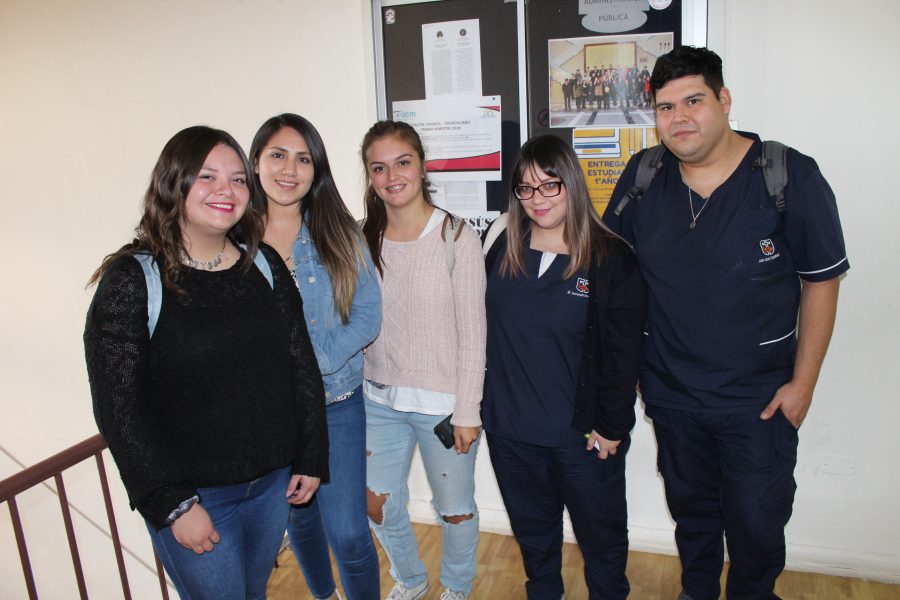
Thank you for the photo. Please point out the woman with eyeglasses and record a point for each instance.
(565, 314)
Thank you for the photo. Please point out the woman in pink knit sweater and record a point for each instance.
(426, 364)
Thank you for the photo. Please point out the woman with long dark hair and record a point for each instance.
(319, 241)
(565, 313)
(426, 365)
(189, 397)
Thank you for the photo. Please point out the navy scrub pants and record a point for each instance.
(730, 474)
(536, 482)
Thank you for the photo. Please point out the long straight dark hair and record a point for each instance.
(176, 170)
(333, 229)
(376, 214)
(583, 231)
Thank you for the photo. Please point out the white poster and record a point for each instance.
(451, 52)
(461, 135)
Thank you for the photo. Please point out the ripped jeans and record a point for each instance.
(391, 437)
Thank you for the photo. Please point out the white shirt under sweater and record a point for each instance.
(430, 351)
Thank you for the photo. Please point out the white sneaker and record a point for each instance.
(401, 592)
(451, 595)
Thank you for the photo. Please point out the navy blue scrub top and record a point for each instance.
(724, 296)
(535, 337)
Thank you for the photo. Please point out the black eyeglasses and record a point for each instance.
(547, 190)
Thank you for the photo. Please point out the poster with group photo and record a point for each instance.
(589, 61)
(603, 81)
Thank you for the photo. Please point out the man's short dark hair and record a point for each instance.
(686, 61)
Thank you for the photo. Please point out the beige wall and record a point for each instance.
(91, 90)
(89, 93)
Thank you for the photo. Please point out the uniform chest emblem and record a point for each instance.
(582, 285)
(767, 247)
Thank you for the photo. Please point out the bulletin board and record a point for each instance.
(411, 57)
(526, 51)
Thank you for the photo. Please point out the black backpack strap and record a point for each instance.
(773, 161)
(651, 163)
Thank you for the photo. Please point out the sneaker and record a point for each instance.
(451, 595)
(401, 592)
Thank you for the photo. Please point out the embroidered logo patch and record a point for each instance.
(582, 285)
(767, 247)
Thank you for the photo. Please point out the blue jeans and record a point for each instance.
(392, 437)
(336, 516)
(250, 518)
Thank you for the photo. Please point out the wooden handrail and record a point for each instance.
(52, 468)
(38, 473)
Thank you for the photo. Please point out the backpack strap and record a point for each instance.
(494, 241)
(454, 226)
(154, 289)
(263, 265)
(773, 161)
(496, 227)
(650, 165)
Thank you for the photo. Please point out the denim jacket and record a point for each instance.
(338, 346)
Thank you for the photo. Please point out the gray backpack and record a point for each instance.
(772, 160)
(155, 287)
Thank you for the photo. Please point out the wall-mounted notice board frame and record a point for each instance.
(525, 51)
(408, 66)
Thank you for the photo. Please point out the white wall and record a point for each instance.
(821, 76)
(91, 90)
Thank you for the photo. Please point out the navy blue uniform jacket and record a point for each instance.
(607, 379)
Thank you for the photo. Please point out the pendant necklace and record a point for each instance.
(207, 265)
(694, 216)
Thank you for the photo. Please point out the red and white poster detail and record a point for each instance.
(461, 135)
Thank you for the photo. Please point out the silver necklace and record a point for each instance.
(694, 216)
(207, 265)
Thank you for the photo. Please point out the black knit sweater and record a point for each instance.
(227, 390)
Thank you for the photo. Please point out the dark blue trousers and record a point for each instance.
(730, 475)
(536, 482)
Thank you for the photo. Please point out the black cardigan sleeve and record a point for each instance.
(309, 391)
(609, 371)
(117, 345)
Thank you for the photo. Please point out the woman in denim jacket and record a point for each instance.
(317, 237)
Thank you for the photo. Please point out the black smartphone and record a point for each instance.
(444, 432)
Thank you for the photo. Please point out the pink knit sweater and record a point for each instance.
(433, 331)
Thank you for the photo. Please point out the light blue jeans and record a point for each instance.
(250, 518)
(391, 437)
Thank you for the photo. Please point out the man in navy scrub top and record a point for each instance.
(728, 368)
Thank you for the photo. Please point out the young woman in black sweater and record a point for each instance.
(215, 413)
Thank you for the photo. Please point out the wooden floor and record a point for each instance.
(501, 577)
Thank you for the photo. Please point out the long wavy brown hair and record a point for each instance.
(376, 214)
(332, 228)
(159, 231)
(583, 231)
